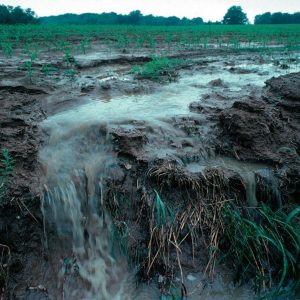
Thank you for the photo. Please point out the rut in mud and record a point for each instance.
(122, 159)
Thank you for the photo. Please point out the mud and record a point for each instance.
(267, 130)
(20, 215)
(107, 137)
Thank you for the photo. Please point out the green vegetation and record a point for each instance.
(17, 15)
(64, 42)
(159, 69)
(28, 66)
(261, 245)
(264, 245)
(278, 18)
(133, 18)
(7, 164)
(78, 39)
(235, 16)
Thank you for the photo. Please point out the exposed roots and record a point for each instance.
(169, 173)
(179, 210)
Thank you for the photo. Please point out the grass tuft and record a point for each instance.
(264, 245)
(159, 69)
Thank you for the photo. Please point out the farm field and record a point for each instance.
(62, 38)
(150, 162)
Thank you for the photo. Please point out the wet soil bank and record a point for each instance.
(266, 129)
(231, 144)
(20, 215)
(249, 155)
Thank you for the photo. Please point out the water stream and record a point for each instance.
(76, 159)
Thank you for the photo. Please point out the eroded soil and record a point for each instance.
(119, 139)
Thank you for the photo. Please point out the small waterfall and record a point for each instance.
(76, 224)
(262, 181)
(250, 186)
(82, 226)
(270, 189)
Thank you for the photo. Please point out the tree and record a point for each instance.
(277, 18)
(4, 15)
(263, 19)
(197, 21)
(235, 16)
(171, 21)
(134, 17)
(16, 15)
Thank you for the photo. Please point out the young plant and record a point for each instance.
(48, 70)
(7, 49)
(28, 65)
(68, 58)
(162, 212)
(84, 45)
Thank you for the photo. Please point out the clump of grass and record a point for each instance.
(266, 249)
(159, 69)
(7, 49)
(7, 164)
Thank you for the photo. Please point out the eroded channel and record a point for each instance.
(80, 156)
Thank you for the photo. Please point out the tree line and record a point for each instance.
(133, 18)
(277, 18)
(17, 15)
(234, 15)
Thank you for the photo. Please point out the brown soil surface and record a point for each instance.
(259, 126)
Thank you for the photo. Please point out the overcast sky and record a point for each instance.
(207, 9)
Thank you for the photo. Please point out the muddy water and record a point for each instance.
(169, 100)
(74, 166)
(77, 159)
(245, 170)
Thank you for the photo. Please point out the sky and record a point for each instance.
(212, 10)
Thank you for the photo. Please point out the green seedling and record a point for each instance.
(84, 45)
(28, 65)
(48, 70)
(7, 49)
